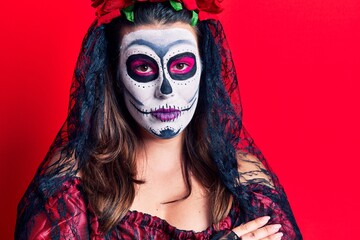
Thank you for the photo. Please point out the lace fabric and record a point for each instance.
(54, 206)
(66, 215)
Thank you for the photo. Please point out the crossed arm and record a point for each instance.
(253, 173)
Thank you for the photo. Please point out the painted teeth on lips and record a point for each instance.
(166, 114)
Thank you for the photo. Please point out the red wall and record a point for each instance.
(299, 69)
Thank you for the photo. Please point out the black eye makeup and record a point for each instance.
(182, 66)
(142, 68)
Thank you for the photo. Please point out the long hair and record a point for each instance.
(108, 175)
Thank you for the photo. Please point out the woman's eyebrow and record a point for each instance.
(160, 49)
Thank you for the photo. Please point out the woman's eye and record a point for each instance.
(181, 66)
(143, 68)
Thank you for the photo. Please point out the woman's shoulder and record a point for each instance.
(58, 176)
(51, 204)
(252, 170)
(68, 186)
(47, 193)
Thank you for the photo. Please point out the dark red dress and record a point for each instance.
(66, 215)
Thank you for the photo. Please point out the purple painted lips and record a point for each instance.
(166, 114)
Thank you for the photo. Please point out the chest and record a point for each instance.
(169, 198)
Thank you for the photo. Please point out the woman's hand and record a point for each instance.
(255, 230)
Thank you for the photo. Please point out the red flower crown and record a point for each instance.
(107, 10)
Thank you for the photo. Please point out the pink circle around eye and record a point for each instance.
(135, 65)
(188, 62)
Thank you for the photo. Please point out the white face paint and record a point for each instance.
(160, 70)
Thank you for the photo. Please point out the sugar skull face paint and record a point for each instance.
(160, 70)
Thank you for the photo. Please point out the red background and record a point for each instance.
(298, 63)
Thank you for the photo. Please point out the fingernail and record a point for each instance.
(278, 236)
(276, 226)
(265, 219)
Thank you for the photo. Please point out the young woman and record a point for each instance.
(153, 146)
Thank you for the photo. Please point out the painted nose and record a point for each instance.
(165, 90)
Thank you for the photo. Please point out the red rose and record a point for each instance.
(153, 1)
(104, 7)
(190, 4)
(96, 3)
(210, 6)
(106, 10)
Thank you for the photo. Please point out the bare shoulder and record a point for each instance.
(61, 164)
(252, 171)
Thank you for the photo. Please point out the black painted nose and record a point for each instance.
(166, 87)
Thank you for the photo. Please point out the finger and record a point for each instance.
(276, 236)
(263, 232)
(251, 226)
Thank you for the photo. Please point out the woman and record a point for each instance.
(153, 146)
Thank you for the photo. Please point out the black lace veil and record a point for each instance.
(226, 133)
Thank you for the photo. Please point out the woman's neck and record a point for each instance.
(160, 156)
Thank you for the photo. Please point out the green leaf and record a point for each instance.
(129, 13)
(194, 18)
(176, 5)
